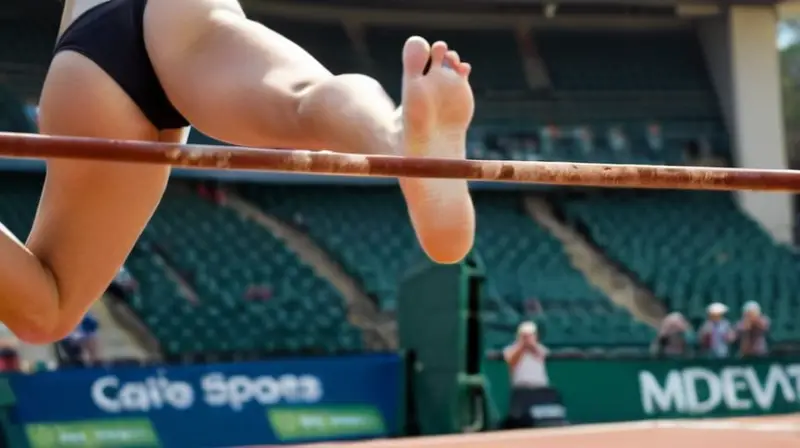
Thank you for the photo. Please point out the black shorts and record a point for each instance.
(111, 34)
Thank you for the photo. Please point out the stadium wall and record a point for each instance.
(742, 58)
(280, 401)
(616, 390)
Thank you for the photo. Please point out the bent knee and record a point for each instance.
(34, 331)
(41, 328)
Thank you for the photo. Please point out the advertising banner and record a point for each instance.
(218, 405)
(611, 390)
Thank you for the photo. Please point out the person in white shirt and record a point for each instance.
(717, 333)
(526, 358)
(533, 403)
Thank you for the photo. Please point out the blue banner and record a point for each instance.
(217, 405)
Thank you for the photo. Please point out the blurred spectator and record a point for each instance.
(81, 346)
(530, 145)
(123, 285)
(212, 190)
(584, 138)
(32, 111)
(752, 330)
(717, 333)
(698, 151)
(691, 151)
(299, 221)
(525, 358)
(617, 140)
(9, 350)
(533, 402)
(255, 292)
(705, 147)
(532, 307)
(674, 336)
(654, 138)
(547, 137)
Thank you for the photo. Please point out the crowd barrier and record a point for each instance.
(611, 390)
(271, 402)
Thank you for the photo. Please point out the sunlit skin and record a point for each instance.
(239, 82)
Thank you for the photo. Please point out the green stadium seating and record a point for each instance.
(523, 262)
(221, 254)
(692, 249)
(19, 194)
(637, 60)
(604, 79)
(367, 230)
(25, 55)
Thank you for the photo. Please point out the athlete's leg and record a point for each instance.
(90, 214)
(240, 82)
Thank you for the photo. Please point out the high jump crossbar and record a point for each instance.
(31, 146)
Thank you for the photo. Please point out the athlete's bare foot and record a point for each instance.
(437, 110)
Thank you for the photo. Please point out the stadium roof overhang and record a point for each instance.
(535, 7)
(461, 3)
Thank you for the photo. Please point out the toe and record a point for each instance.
(438, 53)
(416, 53)
(452, 59)
(464, 69)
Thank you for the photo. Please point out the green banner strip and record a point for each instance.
(326, 422)
(111, 433)
(608, 390)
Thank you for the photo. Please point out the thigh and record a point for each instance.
(90, 213)
(220, 69)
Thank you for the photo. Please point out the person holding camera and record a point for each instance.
(533, 402)
(526, 358)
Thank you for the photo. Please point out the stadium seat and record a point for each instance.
(692, 249)
(367, 231)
